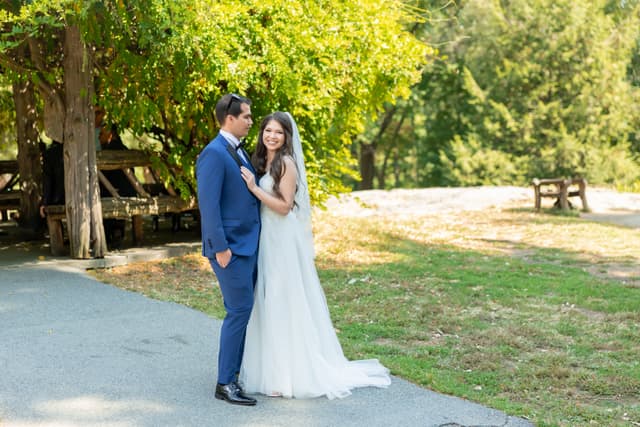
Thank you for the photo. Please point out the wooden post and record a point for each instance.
(563, 189)
(29, 161)
(582, 184)
(82, 192)
(136, 228)
(56, 238)
(536, 192)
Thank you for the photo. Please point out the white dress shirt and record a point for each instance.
(234, 142)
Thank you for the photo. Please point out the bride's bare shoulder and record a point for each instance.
(289, 164)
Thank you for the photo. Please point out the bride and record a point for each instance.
(291, 348)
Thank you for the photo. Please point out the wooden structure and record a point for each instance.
(9, 198)
(560, 189)
(117, 206)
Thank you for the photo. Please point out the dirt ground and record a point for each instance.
(604, 204)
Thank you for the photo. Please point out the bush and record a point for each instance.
(467, 163)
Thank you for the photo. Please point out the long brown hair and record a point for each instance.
(278, 167)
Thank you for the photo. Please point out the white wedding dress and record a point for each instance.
(291, 348)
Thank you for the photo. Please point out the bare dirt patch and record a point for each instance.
(503, 219)
(603, 203)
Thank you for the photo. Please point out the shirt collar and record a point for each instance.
(230, 138)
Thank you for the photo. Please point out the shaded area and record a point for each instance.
(19, 246)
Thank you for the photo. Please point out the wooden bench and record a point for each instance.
(9, 197)
(9, 201)
(560, 189)
(119, 207)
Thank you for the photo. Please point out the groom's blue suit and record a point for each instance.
(230, 218)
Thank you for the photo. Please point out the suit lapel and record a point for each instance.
(239, 160)
(235, 156)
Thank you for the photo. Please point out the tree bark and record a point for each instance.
(82, 204)
(382, 173)
(29, 156)
(368, 152)
(367, 165)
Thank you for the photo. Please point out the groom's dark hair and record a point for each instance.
(230, 104)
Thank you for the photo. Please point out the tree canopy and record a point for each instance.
(8, 147)
(160, 66)
(524, 88)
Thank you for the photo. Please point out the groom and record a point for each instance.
(230, 221)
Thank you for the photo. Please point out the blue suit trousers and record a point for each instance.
(237, 283)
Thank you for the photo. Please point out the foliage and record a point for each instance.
(161, 66)
(551, 85)
(555, 89)
(333, 73)
(7, 124)
(469, 163)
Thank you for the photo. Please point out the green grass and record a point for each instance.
(536, 315)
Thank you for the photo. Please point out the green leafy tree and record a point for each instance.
(553, 93)
(399, 134)
(8, 147)
(159, 67)
(520, 89)
(331, 64)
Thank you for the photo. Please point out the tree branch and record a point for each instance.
(386, 121)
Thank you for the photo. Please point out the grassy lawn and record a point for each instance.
(537, 315)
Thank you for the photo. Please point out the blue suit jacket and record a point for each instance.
(229, 212)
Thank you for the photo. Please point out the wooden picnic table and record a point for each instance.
(9, 197)
(121, 207)
(561, 189)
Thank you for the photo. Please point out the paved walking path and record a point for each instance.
(75, 352)
(78, 353)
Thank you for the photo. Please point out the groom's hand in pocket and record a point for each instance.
(223, 258)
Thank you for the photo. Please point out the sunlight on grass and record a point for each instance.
(533, 314)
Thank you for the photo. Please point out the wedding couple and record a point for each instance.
(276, 338)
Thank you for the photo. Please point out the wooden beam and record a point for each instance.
(9, 166)
(120, 159)
(132, 179)
(110, 188)
(129, 206)
(11, 196)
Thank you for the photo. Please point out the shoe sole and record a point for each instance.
(234, 402)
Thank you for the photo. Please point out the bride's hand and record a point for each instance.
(249, 178)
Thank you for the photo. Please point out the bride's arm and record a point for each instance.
(287, 188)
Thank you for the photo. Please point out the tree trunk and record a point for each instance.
(367, 165)
(395, 150)
(396, 168)
(83, 208)
(368, 152)
(29, 156)
(382, 173)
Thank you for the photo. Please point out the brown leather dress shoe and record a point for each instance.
(233, 394)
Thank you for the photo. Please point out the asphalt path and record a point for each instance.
(75, 352)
